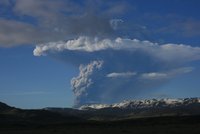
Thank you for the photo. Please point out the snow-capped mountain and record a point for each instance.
(118, 111)
(135, 109)
(141, 104)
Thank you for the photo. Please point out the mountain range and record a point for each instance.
(134, 116)
(141, 104)
(118, 111)
(134, 109)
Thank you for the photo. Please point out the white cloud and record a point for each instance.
(121, 75)
(181, 70)
(154, 75)
(165, 52)
(166, 74)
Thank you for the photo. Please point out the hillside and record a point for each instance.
(150, 116)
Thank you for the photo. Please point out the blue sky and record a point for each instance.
(43, 78)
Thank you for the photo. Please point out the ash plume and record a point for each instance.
(112, 70)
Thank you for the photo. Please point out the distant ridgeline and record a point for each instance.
(149, 103)
(124, 110)
(4, 106)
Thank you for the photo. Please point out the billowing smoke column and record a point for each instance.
(82, 83)
(112, 70)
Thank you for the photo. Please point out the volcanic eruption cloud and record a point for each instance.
(112, 70)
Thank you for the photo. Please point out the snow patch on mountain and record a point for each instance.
(139, 104)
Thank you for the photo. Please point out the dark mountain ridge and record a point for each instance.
(134, 109)
(180, 116)
(118, 111)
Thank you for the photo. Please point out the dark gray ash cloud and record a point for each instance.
(56, 20)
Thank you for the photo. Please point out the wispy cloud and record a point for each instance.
(166, 74)
(25, 93)
(121, 75)
(185, 28)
